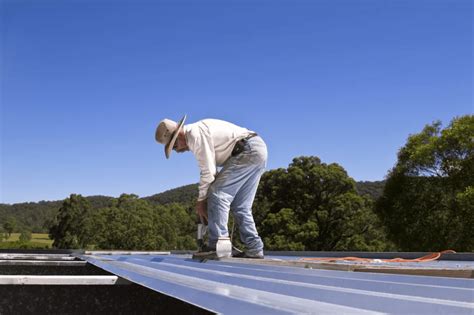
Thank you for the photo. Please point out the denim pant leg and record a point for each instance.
(242, 210)
(237, 171)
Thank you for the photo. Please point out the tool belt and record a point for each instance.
(240, 145)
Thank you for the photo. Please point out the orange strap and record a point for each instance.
(429, 257)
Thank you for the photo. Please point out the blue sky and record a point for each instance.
(84, 84)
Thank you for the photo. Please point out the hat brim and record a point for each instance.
(170, 145)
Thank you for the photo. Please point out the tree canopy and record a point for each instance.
(133, 223)
(428, 200)
(314, 206)
(126, 223)
(9, 226)
(72, 226)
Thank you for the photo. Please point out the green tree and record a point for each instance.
(10, 226)
(25, 236)
(133, 223)
(372, 189)
(72, 228)
(427, 203)
(128, 224)
(184, 224)
(315, 206)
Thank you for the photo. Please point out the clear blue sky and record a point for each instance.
(84, 84)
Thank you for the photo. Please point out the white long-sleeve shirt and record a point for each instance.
(211, 141)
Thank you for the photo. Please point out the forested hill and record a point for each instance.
(373, 189)
(37, 216)
(183, 194)
(189, 193)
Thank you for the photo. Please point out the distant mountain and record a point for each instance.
(37, 216)
(183, 194)
(31, 215)
(189, 193)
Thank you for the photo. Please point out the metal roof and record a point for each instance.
(245, 286)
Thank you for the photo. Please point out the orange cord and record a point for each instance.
(429, 257)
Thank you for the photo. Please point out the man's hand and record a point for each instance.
(201, 210)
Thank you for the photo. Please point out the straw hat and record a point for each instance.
(167, 133)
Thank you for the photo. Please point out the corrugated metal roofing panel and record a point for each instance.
(231, 288)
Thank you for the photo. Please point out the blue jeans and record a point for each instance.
(234, 189)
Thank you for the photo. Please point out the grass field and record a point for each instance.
(38, 240)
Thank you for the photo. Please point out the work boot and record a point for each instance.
(246, 254)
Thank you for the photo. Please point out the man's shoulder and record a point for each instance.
(214, 121)
(210, 122)
(198, 128)
(211, 126)
(205, 121)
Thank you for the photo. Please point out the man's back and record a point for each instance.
(219, 135)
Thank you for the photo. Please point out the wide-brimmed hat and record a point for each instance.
(167, 133)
